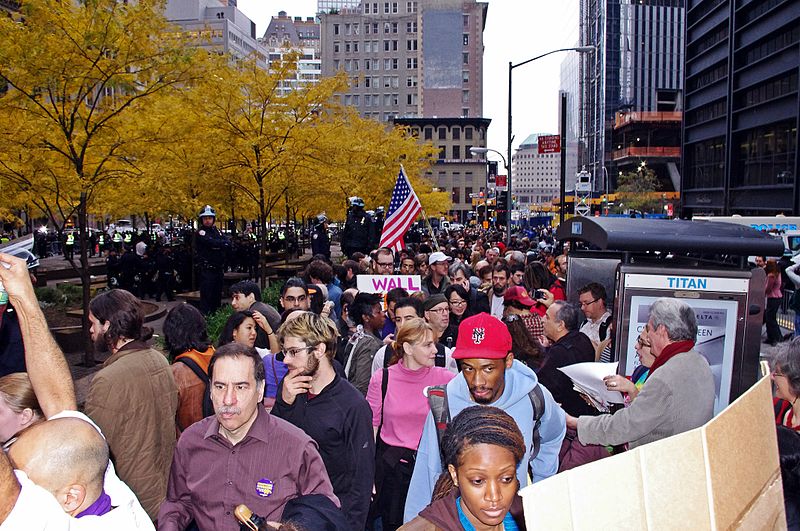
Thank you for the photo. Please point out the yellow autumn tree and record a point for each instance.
(77, 75)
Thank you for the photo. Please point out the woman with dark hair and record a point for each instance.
(241, 328)
(399, 409)
(524, 346)
(537, 277)
(774, 298)
(190, 350)
(459, 301)
(481, 447)
(786, 375)
(789, 454)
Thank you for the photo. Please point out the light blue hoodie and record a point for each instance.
(519, 381)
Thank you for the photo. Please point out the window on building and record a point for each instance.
(465, 38)
(411, 27)
(411, 7)
(355, 47)
(456, 131)
(468, 133)
(456, 194)
(386, 8)
(395, 64)
(441, 152)
(387, 64)
(394, 45)
(442, 133)
(336, 29)
(394, 27)
(466, 20)
(411, 46)
(348, 29)
(464, 96)
(468, 152)
(411, 81)
(387, 28)
(335, 46)
(705, 163)
(411, 99)
(766, 155)
(465, 76)
(456, 152)
(465, 58)
(394, 7)
(385, 45)
(346, 46)
(411, 63)
(428, 133)
(465, 112)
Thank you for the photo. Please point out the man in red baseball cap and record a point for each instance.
(490, 376)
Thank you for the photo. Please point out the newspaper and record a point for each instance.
(587, 379)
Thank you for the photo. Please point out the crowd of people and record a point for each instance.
(426, 407)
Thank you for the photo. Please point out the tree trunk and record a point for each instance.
(88, 345)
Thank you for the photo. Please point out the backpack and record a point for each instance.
(440, 409)
(208, 406)
(439, 361)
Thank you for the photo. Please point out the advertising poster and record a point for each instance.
(716, 334)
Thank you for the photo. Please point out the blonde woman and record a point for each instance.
(19, 408)
(399, 408)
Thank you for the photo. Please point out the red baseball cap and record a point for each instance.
(482, 336)
(519, 294)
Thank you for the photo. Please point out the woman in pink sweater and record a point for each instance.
(399, 409)
(774, 298)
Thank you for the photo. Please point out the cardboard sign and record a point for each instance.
(384, 283)
(723, 475)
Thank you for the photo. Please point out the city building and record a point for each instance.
(218, 25)
(742, 108)
(457, 170)
(286, 35)
(637, 70)
(420, 58)
(537, 177)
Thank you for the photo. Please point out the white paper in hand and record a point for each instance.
(588, 380)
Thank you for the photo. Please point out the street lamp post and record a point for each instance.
(511, 67)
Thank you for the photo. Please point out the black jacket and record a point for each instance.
(339, 419)
(573, 348)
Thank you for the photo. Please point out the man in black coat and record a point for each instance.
(329, 409)
(567, 346)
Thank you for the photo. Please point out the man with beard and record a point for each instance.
(133, 398)
(330, 410)
(500, 274)
(490, 376)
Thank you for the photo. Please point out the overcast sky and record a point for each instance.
(516, 30)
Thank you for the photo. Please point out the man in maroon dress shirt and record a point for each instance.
(240, 455)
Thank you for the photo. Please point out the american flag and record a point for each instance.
(403, 210)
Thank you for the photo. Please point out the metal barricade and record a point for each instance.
(786, 314)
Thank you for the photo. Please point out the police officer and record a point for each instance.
(210, 247)
(320, 241)
(380, 214)
(69, 246)
(358, 229)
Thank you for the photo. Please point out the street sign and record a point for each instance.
(501, 181)
(549, 144)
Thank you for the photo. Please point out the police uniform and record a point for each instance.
(210, 247)
(358, 229)
(320, 241)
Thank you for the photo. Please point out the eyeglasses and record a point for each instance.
(457, 303)
(642, 343)
(777, 374)
(385, 264)
(290, 299)
(582, 304)
(293, 352)
(439, 310)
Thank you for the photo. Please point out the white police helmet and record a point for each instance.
(207, 211)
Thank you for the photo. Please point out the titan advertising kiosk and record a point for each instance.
(705, 264)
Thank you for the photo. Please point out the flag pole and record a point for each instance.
(430, 229)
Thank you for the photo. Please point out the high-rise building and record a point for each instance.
(615, 95)
(742, 108)
(457, 170)
(286, 35)
(218, 25)
(537, 176)
(406, 58)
